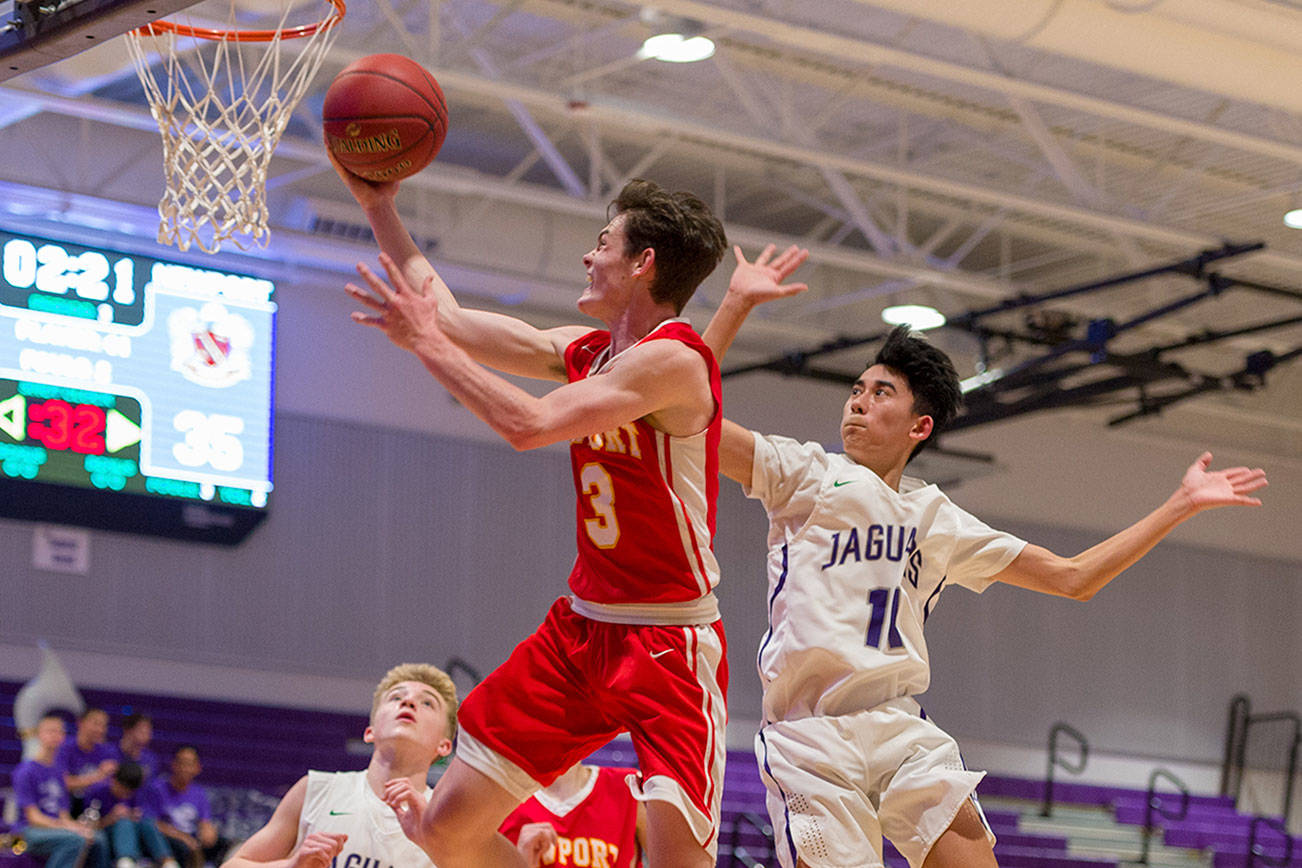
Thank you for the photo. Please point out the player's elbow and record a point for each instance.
(1077, 584)
(524, 444)
(1083, 595)
(525, 434)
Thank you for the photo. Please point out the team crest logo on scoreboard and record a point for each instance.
(210, 345)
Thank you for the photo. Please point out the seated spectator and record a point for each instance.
(181, 811)
(338, 817)
(131, 835)
(588, 816)
(137, 733)
(44, 820)
(87, 759)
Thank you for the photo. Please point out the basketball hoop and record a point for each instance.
(222, 113)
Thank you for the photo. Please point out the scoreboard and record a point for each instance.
(135, 393)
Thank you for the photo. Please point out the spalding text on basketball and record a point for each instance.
(380, 143)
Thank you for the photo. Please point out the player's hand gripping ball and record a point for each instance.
(385, 117)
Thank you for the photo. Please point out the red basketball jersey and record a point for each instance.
(646, 500)
(599, 830)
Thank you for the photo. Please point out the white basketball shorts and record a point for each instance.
(836, 785)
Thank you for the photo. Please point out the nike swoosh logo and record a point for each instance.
(662, 653)
(339, 813)
(839, 483)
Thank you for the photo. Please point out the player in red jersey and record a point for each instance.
(588, 816)
(639, 646)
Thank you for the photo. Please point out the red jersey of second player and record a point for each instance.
(646, 500)
(597, 828)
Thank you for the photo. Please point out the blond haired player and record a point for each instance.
(858, 555)
(329, 815)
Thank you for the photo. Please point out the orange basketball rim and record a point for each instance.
(154, 28)
(221, 114)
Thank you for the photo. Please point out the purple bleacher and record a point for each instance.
(1130, 803)
(1021, 857)
(1071, 793)
(240, 744)
(8, 860)
(1241, 860)
(1232, 842)
(1211, 822)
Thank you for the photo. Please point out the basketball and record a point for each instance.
(385, 117)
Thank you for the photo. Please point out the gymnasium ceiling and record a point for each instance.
(960, 155)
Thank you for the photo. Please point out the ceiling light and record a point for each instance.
(1293, 219)
(676, 48)
(917, 316)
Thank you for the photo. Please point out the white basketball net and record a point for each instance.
(221, 106)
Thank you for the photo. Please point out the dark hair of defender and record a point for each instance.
(931, 377)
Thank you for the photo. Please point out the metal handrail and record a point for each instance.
(1153, 803)
(1054, 760)
(1241, 722)
(1236, 731)
(759, 824)
(1254, 854)
(1291, 773)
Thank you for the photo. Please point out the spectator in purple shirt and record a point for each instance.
(87, 759)
(131, 835)
(137, 733)
(180, 808)
(43, 807)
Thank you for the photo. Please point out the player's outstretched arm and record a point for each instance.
(751, 284)
(272, 846)
(503, 342)
(656, 377)
(1083, 576)
(499, 341)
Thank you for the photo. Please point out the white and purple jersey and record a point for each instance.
(40, 785)
(184, 809)
(854, 570)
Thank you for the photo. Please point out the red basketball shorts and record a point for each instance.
(577, 683)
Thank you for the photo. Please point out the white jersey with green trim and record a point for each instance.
(854, 569)
(342, 802)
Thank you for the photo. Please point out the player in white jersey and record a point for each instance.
(339, 816)
(858, 554)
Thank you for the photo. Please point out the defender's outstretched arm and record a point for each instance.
(1082, 576)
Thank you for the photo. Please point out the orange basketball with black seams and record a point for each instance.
(385, 117)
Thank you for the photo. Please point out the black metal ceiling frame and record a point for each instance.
(1040, 382)
(41, 32)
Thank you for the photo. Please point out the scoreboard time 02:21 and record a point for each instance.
(121, 372)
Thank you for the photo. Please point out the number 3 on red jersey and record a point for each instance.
(603, 527)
